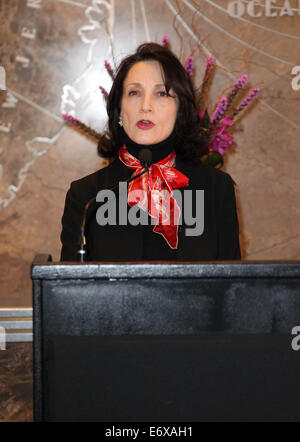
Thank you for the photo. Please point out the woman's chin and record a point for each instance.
(144, 138)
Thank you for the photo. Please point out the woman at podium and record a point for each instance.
(177, 210)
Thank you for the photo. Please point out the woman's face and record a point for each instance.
(148, 113)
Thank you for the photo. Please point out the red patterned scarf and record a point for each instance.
(153, 191)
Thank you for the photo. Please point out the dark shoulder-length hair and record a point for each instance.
(190, 142)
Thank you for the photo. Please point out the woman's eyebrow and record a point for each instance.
(133, 84)
(139, 84)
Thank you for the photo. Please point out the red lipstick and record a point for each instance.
(145, 124)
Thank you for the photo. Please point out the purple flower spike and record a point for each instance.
(165, 40)
(238, 85)
(104, 92)
(189, 66)
(241, 82)
(220, 109)
(210, 61)
(68, 118)
(247, 100)
(109, 69)
(107, 65)
(71, 120)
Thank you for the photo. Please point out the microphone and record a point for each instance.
(145, 157)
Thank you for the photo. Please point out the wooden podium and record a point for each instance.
(166, 342)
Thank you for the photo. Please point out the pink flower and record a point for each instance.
(221, 140)
(201, 113)
(227, 121)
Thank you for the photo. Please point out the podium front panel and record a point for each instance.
(150, 342)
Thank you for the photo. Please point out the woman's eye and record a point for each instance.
(163, 93)
(132, 93)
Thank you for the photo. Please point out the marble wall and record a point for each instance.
(53, 54)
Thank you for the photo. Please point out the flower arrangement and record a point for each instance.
(217, 127)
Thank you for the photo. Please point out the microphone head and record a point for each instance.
(145, 157)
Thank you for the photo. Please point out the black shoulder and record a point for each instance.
(202, 174)
(218, 174)
(89, 184)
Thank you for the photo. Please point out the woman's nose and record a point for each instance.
(146, 104)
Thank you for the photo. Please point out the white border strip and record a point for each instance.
(11, 312)
(17, 324)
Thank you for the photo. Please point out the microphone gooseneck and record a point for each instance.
(145, 157)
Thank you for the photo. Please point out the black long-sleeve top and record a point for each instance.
(219, 240)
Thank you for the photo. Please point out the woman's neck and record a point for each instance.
(159, 150)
